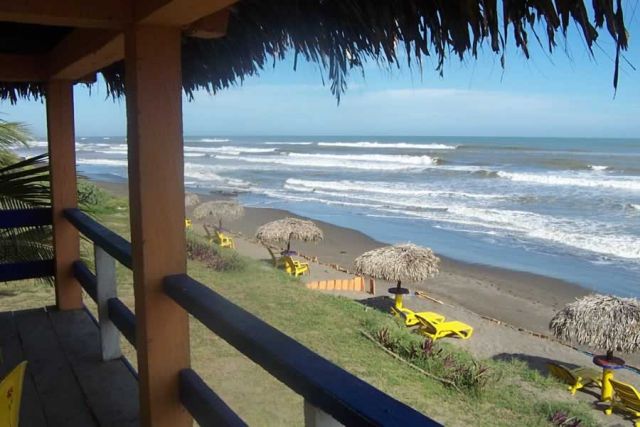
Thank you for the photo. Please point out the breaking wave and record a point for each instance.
(362, 162)
(401, 145)
(620, 183)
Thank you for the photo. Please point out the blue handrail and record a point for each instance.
(112, 243)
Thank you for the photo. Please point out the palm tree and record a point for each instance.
(24, 184)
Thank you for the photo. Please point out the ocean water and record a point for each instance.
(566, 208)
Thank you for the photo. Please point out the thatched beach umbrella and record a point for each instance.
(191, 199)
(405, 262)
(284, 230)
(219, 210)
(604, 322)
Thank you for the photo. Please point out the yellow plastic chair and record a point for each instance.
(409, 316)
(575, 378)
(626, 399)
(188, 224)
(436, 330)
(295, 268)
(223, 240)
(11, 396)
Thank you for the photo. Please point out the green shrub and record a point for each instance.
(95, 200)
(455, 367)
(201, 250)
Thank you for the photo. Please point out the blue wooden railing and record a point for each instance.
(18, 218)
(323, 385)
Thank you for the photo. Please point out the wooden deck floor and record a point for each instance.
(66, 382)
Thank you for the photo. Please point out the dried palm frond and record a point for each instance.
(404, 262)
(287, 229)
(219, 210)
(603, 322)
(341, 35)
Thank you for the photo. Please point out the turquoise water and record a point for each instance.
(566, 208)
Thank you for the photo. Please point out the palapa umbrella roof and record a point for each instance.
(603, 322)
(284, 230)
(191, 199)
(404, 262)
(341, 35)
(219, 210)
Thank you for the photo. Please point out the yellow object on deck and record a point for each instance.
(295, 268)
(223, 240)
(11, 395)
(575, 378)
(435, 330)
(188, 224)
(409, 316)
(625, 398)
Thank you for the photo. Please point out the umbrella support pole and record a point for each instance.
(398, 301)
(607, 390)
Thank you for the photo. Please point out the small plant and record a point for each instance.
(562, 419)
(204, 252)
(472, 377)
(467, 375)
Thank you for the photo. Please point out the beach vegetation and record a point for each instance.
(199, 249)
(94, 200)
(24, 184)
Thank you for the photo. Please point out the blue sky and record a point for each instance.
(567, 94)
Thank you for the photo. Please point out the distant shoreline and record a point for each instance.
(522, 299)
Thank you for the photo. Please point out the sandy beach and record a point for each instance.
(509, 310)
(522, 299)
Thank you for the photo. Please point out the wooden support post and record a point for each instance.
(156, 189)
(314, 417)
(62, 160)
(106, 289)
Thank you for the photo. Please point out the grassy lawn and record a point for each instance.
(331, 326)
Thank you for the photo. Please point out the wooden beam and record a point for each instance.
(62, 162)
(22, 68)
(210, 27)
(84, 52)
(156, 191)
(176, 13)
(68, 13)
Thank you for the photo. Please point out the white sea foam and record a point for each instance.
(102, 162)
(288, 143)
(584, 235)
(598, 167)
(337, 162)
(232, 150)
(400, 145)
(207, 174)
(120, 152)
(634, 206)
(195, 154)
(38, 143)
(621, 183)
(368, 187)
(214, 140)
(378, 158)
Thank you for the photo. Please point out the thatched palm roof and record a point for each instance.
(287, 229)
(191, 199)
(405, 262)
(342, 34)
(603, 322)
(219, 210)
